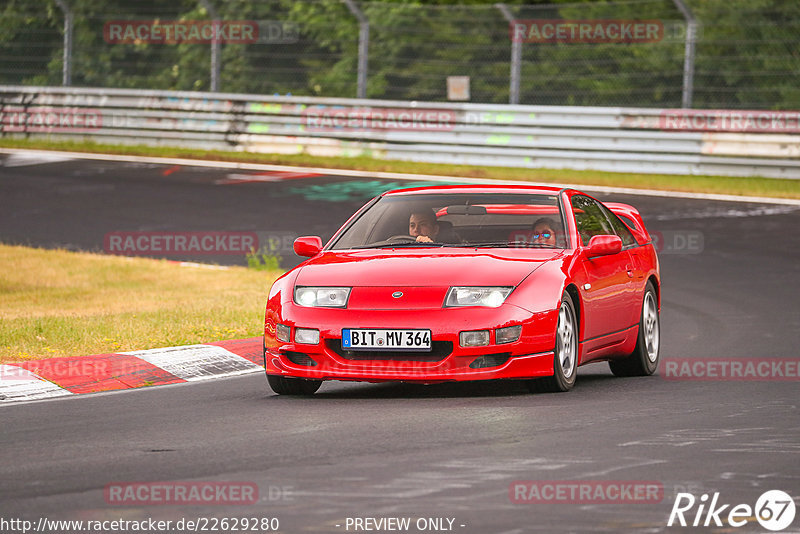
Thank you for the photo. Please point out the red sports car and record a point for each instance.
(445, 283)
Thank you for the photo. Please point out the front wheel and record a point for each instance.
(283, 385)
(565, 358)
(644, 359)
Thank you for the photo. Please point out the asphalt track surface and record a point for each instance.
(395, 450)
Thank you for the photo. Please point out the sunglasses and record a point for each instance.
(545, 235)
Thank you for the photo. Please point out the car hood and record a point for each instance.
(422, 268)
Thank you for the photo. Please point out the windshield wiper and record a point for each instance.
(400, 245)
(509, 244)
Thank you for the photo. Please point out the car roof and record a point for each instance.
(477, 188)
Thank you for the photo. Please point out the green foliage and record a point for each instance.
(746, 54)
(30, 42)
(264, 259)
(749, 56)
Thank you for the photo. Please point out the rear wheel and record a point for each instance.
(565, 359)
(283, 385)
(644, 359)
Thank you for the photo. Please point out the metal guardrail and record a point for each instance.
(637, 140)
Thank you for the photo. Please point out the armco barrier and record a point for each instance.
(642, 140)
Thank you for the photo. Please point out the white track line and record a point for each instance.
(19, 384)
(197, 362)
(397, 176)
(25, 159)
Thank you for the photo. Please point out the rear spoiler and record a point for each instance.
(630, 216)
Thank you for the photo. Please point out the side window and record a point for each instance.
(619, 227)
(589, 218)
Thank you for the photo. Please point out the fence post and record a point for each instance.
(216, 46)
(363, 46)
(688, 56)
(66, 78)
(516, 56)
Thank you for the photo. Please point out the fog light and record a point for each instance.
(508, 334)
(282, 332)
(306, 336)
(474, 338)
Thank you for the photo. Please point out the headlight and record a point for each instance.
(509, 334)
(282, 332)
(307, 336)
(326, 297)
(473, 338)
(490, 297)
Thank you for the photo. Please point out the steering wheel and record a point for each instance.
(402, 238)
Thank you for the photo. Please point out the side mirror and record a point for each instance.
(604, 245)
(309, 246)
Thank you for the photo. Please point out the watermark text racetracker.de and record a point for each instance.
(180, 31)
(180, 492)
(732, 369)
(678, 241)
(172, 32)
(149, 243)
(586, 31)
(66, 368)
(721, 120)
(320, 118)
(38, 119)
(45, 525)
(586, 491)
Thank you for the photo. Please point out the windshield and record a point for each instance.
(463, 219)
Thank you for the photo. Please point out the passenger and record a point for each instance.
(544, 232)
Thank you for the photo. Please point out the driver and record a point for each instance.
(423, 225)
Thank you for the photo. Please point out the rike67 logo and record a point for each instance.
(774, 510)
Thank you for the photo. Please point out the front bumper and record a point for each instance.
(530, 357)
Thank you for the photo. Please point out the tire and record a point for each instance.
(293, 386)
(643, 361)
(565, 357)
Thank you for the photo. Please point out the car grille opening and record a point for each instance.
(439, 351)
(490, 360)
(299, 358)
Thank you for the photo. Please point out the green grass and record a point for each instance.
(60, 303)
(750, 186)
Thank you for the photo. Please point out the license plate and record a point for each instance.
(377, 339)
